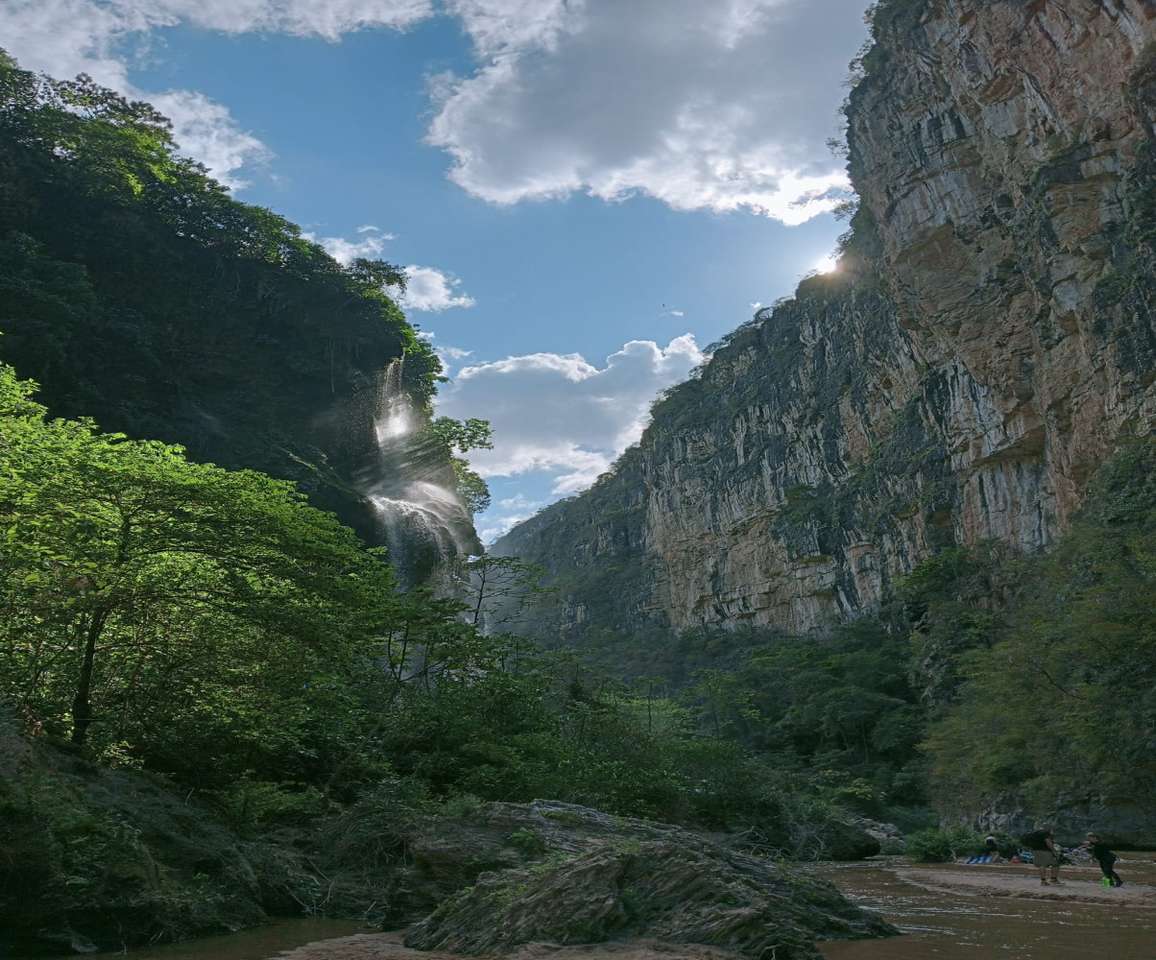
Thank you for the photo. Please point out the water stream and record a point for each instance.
(423, 522)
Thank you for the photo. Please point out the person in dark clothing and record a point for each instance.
(1105, 858)
(1045, 854)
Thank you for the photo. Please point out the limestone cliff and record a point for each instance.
(989, 337)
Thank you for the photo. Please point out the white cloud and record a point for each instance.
(506, 514)
(447, 354)
(205, 130)
(450, 355)
(722, 106)
(560, 414)
(329, 19)
(369, 247)
(518, 501)
(428, 288)
(65, 37)
(370, 228)
(490, 528)
(678, 313)
(455, 353)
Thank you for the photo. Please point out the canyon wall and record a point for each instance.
(989, 337)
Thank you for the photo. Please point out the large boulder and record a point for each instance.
(679, 890)
(567, 874)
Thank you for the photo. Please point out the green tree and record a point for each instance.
(137, 585)
(1063, 704)
(456, 437)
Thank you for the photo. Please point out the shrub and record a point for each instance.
(943, 846)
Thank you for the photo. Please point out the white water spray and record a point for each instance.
(424, 523)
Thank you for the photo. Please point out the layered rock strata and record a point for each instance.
(989, 337)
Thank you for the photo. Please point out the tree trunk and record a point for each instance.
(82, 702)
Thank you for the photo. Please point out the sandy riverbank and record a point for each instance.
(1078, 884)
(389, 946)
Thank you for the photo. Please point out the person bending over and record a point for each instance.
(1105, 858)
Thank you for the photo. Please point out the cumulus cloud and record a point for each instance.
(427, 288)
(329, 19)
(369, 247)
(65, 37)
(448, 355)
(720, 106)
(562, 415)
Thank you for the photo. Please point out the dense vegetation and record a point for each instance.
(1059, 699)
(990, 679)
(211, 630)
(204, 646)
(136, 291)
(206, 628)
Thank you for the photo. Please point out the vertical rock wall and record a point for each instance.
(990, 336)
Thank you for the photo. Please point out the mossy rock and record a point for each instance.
(683, 889)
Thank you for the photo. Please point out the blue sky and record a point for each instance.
(567, 180)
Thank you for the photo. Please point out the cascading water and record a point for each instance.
(423, 522)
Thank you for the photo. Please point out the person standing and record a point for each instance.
(1105, 858)
(1045, 854)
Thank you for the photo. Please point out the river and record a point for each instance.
(953, 912)
(947, 912)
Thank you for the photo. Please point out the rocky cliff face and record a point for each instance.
(988, 338)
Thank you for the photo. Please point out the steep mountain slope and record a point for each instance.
(138, 293)
(989, 337)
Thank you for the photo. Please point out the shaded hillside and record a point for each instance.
(988, 339)
(138, 293)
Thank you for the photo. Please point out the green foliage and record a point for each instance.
(260, 804)
(462, 436)
(117, 859)
(954, 603)
(527, 842)
(1063, 702)
(138, 292)
(943, 846)
(841, 702)
(206, 622)
(455, 437)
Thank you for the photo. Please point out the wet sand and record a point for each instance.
(388, 946)
(952, 911)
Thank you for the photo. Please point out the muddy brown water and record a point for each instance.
(257, 943)
(946, 912)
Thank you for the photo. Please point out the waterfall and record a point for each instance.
(423, 522)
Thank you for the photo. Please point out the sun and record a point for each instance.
(827, 264)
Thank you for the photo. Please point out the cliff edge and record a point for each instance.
(987, 340)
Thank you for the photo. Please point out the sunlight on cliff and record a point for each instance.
(827, 264)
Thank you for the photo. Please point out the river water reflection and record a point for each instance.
(947, 913)
(258, 943)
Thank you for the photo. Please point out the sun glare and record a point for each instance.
(827, 264)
